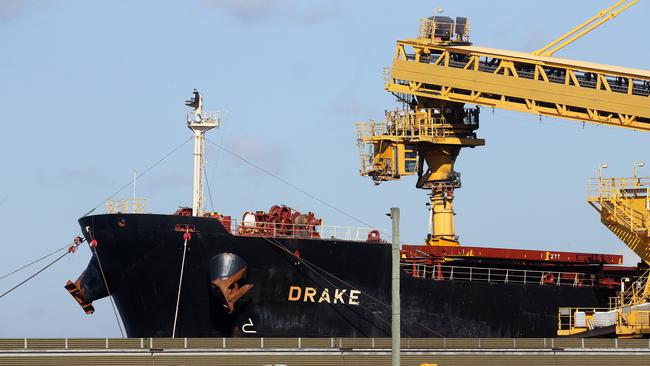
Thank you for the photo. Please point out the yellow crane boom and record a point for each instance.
(523, 82)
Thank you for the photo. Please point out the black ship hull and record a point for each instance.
(295, 287)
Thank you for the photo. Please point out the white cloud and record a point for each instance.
(12, 9)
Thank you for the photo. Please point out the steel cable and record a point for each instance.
(180, 284)
(71, 249)
(110, 297)
(287, 183)
(34, 262)
(309, 265)
(35, 274)
(139, 175)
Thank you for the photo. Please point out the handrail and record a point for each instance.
(97, 346)
(412, 123)
(611, 193)
(566, 317)
(285, 230)
(497, 275)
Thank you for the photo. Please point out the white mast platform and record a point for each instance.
(199, 122)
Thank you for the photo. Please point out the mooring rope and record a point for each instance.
(71, 249)
(34, 261)
(311, 266)
(139, 175)
(93, 248)
(288, 183)
(187, 236)
(34, 275)
(108, 291)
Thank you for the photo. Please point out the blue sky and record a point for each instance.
(90, 91)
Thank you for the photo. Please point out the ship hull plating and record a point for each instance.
(270, 287)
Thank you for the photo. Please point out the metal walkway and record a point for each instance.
(323, 351)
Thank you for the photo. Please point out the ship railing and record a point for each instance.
(281, 230)
(496, 275)
(205, 116)
(132, 205)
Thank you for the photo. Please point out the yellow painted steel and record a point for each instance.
(406, 140)
(586, 27)
(569, 326)
(440, 71)
(395, 142)
(631, 309)
(624, 207)
(561, 88)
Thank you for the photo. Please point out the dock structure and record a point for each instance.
(323, 351)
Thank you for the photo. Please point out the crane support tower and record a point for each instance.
(624, 208)
(437, 73)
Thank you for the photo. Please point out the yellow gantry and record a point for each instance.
(523, 82)
(437, 73)
(406, 140)
(624, 207)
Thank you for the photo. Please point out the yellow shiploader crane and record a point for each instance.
(440, 71)
(437, 73)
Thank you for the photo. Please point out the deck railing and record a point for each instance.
(496, 275)
(279, 230)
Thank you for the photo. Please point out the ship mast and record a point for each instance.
(199, 122)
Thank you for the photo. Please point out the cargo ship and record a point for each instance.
(276, 279)
(281, 273)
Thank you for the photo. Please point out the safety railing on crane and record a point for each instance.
(522, 82)
(417, 124)
(443, 29)
(635, 293)
(560, 75)
(627, 199)
(367, 161)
